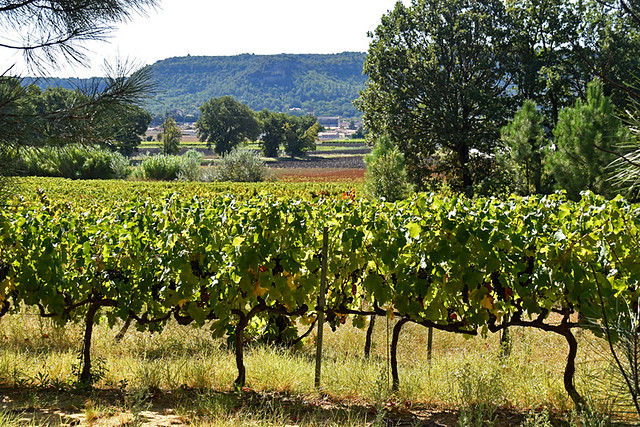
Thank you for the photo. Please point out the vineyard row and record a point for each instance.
(453, 264)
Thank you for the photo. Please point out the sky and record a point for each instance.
(222, 27)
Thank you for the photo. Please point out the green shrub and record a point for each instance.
(241, 165)
(190, 167)
(160, 167)
(386, 176)
(170, 168)
(74, 161)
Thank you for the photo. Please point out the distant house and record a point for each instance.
(329, 122)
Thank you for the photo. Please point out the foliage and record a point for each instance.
(386, 177)
(168, 168)
(523, 148)
(625, 168)
(126, 128)
(73, 161)
(171, 137)
(191, 162)
(85, 194)
(300, 135)
(623, 335)
(273, 125)
(438, 77)
(226, 123)
(296, 134)
(452, 264)
(47, 31)
(241, 165)
(572, 43)
(584, 139)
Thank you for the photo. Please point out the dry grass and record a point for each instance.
(185, 361)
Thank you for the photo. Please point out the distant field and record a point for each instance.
(343, 144)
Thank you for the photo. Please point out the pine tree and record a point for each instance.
(585, 136)
(522, 150)
(386, 175)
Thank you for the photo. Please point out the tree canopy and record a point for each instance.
(225, 123)
(438, 77)
(585, 137)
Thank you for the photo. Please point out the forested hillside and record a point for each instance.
(325, 85)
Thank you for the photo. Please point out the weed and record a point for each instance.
(478, 395)
(537, 419)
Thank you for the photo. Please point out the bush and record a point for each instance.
(190, 167)
(241, 165)
(386, 177)
(170, 168)
(74, 161)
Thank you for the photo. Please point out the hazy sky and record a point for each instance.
(217, 27)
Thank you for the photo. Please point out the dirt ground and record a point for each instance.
(117, 408)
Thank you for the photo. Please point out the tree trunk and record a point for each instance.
(570, 369)
(367, 342)
(394, 354)
(463, 157)
(505, 341)
(85, 375)
(124, 329)
(242, 324)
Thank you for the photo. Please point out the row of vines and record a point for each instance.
(458, 265)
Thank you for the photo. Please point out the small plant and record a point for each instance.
(98, 372)
(161, 168)
(537, 419)
(381, 394)
(136, 402)
(241, 165)
(171, 168)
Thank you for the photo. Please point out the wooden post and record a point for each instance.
(321, 302)
(429, 345)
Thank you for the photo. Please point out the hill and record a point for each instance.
(325, 85)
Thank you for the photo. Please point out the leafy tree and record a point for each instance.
(548, 71)
(522, 151)
(300, 135)
(584, 138)
(273, 126)
(128, 127)
(226, 122)
(171, 137)
(386, 176)
(438, 77)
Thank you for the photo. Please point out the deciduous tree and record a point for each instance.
(438, 77)
(171, 137)
(225, 123)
